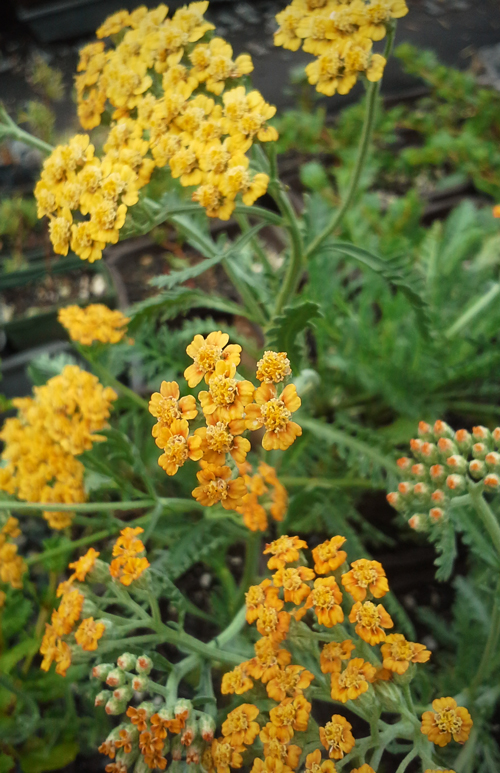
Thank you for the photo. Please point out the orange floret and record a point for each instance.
(292, 714)
(217, 486)
(289, 682)
(288, 754)
(293, 583)
(328, 556)
(353, 681)
(219, 438)
(224, 756)
(268, 660)
(166, 406)
(236, 681)
(274, 413)
(447, 721)
(240, 726)
(316, 764)
(206, 353)
(333, 654)
(325, 599)
(272, 623)
(399, 653)
(177, 446)
(88, 634)
(365, 576)
(84, 565)
(284, 550)
(262, 595)
(336, 737)
(370, 621)
(226, 397)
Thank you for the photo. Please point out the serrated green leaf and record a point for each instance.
(285, 329)
(172, 303)
(168, 281)
(446, 546)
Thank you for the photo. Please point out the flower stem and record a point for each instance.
(485, 514)
(406, 761)
(8, 128)
(109, 380)
(372, 92)
(252, 554)
(491, 644)
(83, 507)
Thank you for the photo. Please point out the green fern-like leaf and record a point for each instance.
(285, 329)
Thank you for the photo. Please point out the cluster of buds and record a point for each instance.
(443, 462)
(154, 728)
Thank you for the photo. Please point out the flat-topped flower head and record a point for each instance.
(177, 446)
(370, 621)
(349, 684)
(274, 413)
(240, 726)
(226, 397)
(88, 634)
(220, 438)
(284, 550)
(206, 353)
(167, 406)
(273, 367)
(316, 764)
(216, 485)
(328, 556)
(333, 654)
(446, 721)
(365, 576)
(289, 682)
(336, 737)
(293, 581)
(397, 653)
(325, 599)
(84, 565)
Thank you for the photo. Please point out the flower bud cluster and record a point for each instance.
(443, 462)
(153, 729)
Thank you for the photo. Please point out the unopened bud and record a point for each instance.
(481, 434)
(428, 452)
(424, 430)
(99, 572)
(177, 748)
(477, 469)
(123, 694)
(417, 522)
(193, 755)
(455, 483)
(442, 429)
(144, 665)
(438, 497)
(492, 460)
(436, 513)
(416, 445)
(102, 670)
(463, 440)
(115, 678)
(457, 463)
(446, 447)
(102, 698)
(183, 710)
(492, 481)
(114, 707)
(437, 473)
(419, 471)
(207, 727)
(405, 488)
(189, 732)
(126, 662)
(140, 683)
(395, 500)
(421, 490)
(479, 450)
(404, 463)
(496, 436)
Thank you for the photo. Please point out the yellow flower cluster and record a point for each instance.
(156, 81)
(126, 567)
(93, 323)
(340, 34)
(12, 566)
(230, 406)
(286, 598)
(444, 461)
(50, 431)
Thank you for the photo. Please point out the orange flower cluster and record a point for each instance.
(127, 564)
(12, 566)
(151, 730)
(286, 598)
(443, 463)
(230, 406)
(95, 322)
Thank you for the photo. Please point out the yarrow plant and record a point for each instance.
(158, 468)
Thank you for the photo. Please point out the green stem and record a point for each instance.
(296, 260)
(8, 128)
(491, 644)
(250, 301)
(53, 552)
(264, 214)
(406, 761)
(109, 380)
(178, 672)
(485, 514)
(83, 507)
(252, 554)
(328, 484)
(372, 92)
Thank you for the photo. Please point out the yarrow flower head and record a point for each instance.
(93, 323)
(446, 721)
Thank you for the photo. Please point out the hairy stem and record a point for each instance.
(491, 644)
(485, 514)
